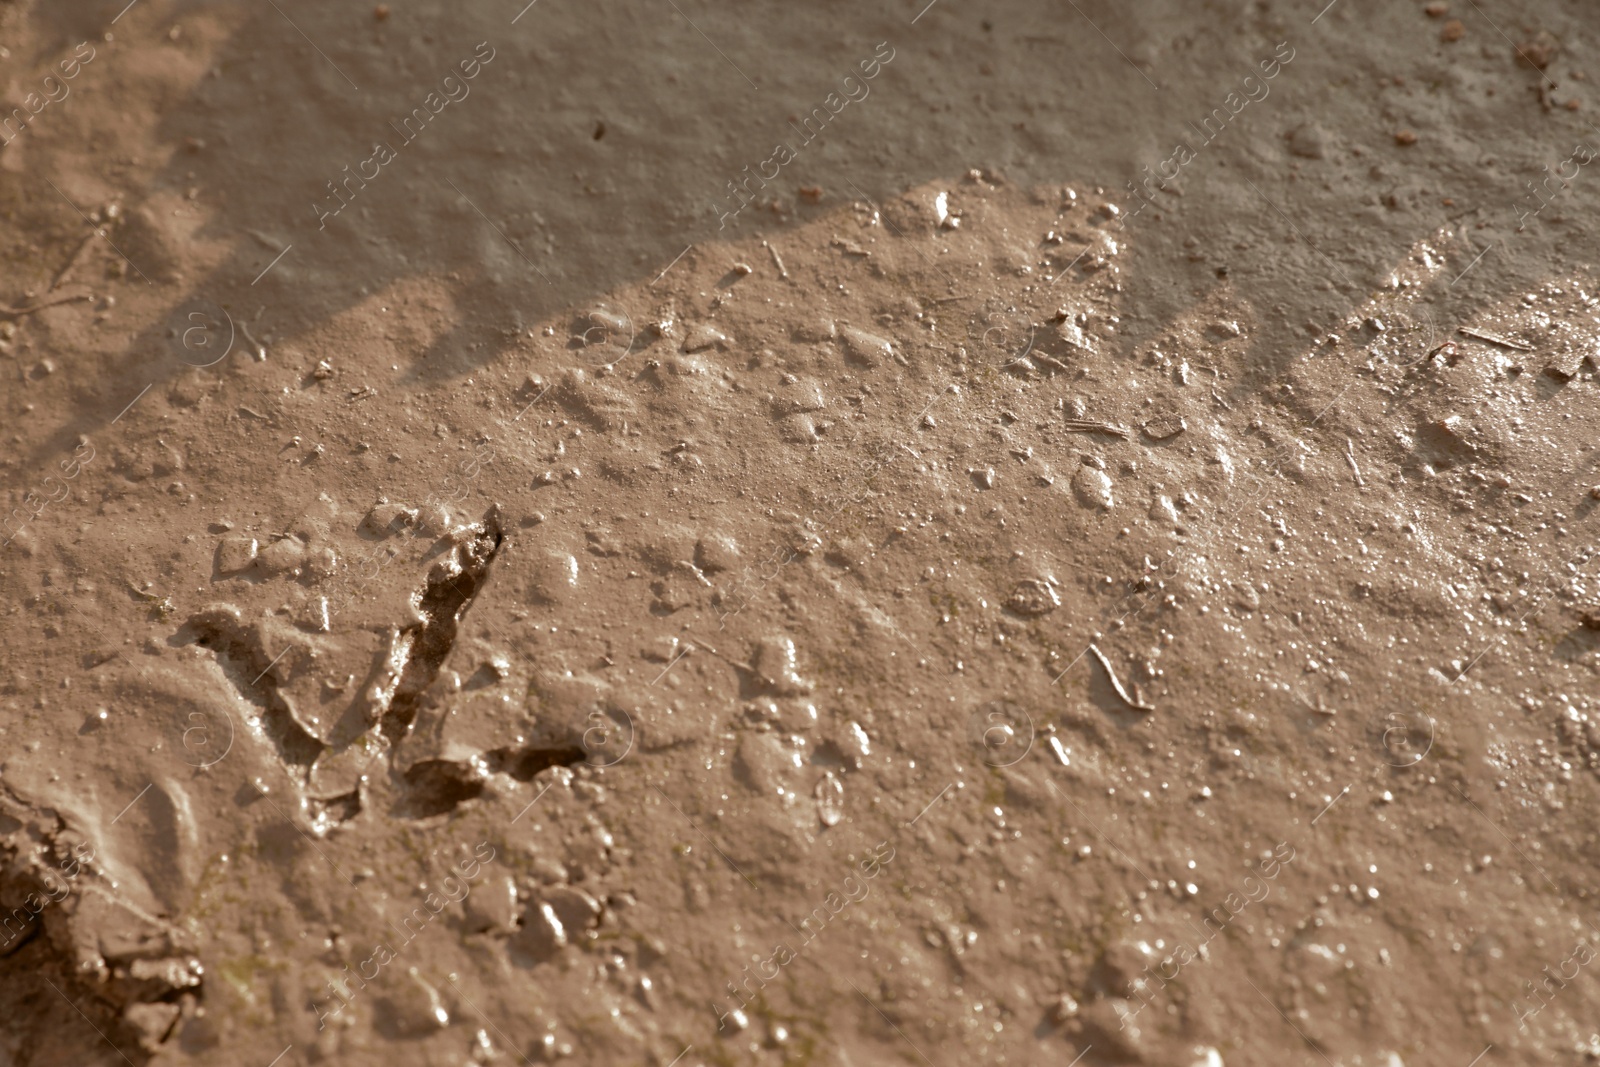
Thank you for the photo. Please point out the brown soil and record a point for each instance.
(591, 535)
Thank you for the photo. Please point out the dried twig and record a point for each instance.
(1121, 692)
(1350, 458)
(1484, 335)
(17, 313)
(1085, 426)
(782, 273)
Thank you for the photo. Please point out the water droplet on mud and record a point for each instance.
(829, 794)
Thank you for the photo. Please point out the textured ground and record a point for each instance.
(786, 535)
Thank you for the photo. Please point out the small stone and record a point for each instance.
(704, 336)
(282, 556)
(984, 477)
(1093, 488)
(798, 429)
(1437, 9)
(1245, 596)
(492, 905)
(663, 650)
(1452, 31)
(800, 396)
(1163, 427)
(1226, 329)
(743, 269)
(1309, 141)
(716, 552)
(555, 577)
(387, 518)
(235, 553)
(577, 910)
(1070, 331)
(380, 12)
(1538, 52)
(1565, 365)
(866, 347)
(1032, 598)
(542, 934)
(415, 1008)
(1405, 137)
(815, 331)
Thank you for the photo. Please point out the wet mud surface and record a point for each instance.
(1082, 548)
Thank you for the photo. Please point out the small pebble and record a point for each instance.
(1309, 141)
(1538, 52)
(1452, 31)
(1163, 427)
(1405, 137)
(1437, 9)
(866, 347)
(1093, 488)
(704, 336)
(236, 553)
